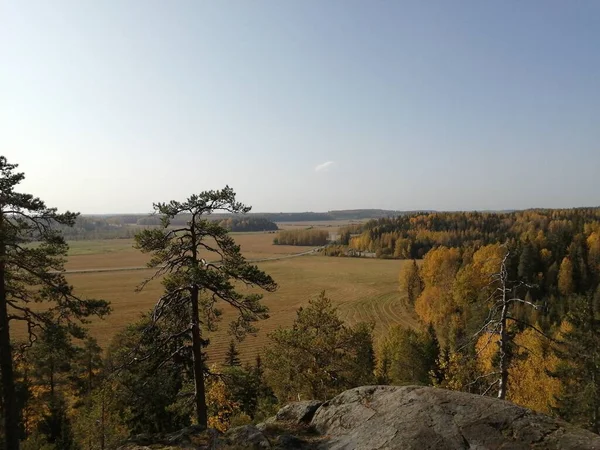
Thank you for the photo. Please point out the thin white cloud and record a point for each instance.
(324, 167)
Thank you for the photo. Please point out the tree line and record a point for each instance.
(412, 236)
(307, 237)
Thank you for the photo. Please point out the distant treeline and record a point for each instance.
(248, 223)
(412, 236)
(124, 227)
(350, 214)
(94, 227)
(308, 237)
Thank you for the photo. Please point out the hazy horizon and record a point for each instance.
(303, 106)
(362, 209)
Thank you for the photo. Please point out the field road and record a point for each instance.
(125, 269)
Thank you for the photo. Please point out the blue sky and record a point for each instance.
(111, 105)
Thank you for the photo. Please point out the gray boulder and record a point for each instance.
(299, 412)
(389, 417)
(246, 436)
(412, 417)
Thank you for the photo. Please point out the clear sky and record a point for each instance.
(302, 105)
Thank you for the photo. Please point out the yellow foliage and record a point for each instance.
(565, 277)
(593, 243)
(440, 266)
(434, 306)
(486, 347)
(529, 384)
(473, 279)
(221, 407)
(546, 256)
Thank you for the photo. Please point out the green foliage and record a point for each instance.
(100, 421)
(193, 286)
(232, 357)
(37, 441)
(56, 425)
(319, 356)
(147, 378)
(579, 369)
(308, 237)
(410, 282)
(248, 223)
(407, 356)
(32, 255)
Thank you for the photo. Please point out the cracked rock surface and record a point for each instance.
(391, 417)
(412, 417)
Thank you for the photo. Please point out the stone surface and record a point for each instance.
(246, 436)
(390, 417)
(411, 417)
(299, 412)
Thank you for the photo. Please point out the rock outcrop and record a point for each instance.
(392, 417)
(411, 417)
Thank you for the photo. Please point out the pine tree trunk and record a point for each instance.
(201, 410)
(11, 414)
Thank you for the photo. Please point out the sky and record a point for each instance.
(302, 105)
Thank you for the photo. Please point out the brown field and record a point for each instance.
(331, 225)
(363, 289)
(118, 253)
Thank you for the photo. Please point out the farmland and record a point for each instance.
(363, 289)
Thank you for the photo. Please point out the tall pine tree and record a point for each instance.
(32, 254)
(193, 285)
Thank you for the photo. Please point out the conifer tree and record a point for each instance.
(579, 369)
(232, 357)
(32, 254)
(193, 285)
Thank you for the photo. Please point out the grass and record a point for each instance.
(363, 289)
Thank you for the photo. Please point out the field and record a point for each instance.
(119, 253)
(363, 289)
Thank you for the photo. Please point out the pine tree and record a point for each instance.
(32, 274)
(194, 285)
(319, 356)
(232, 357)
(527, 263)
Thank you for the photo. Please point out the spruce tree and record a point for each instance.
(232, 357)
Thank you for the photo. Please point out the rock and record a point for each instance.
(412, 417)
(389, 417)
(190, 438)
(288, 441)
(298, 412)
(263, 425)
(246, 436)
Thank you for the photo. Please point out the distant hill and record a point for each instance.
(307, 216)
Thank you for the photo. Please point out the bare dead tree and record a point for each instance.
(500, 315)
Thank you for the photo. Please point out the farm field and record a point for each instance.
(330, 225)
(363, 289)
(118, 253)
